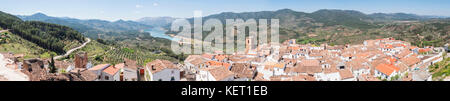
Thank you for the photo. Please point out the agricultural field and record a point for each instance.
(99, 53)
(441, 69)
(141, 56)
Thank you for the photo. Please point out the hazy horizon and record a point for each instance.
(113, 10)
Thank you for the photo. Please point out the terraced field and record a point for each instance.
(141, 56)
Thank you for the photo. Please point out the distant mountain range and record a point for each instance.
(156, 21)
(327, 24)
(349, 26)
(325, 17)
(84, 25)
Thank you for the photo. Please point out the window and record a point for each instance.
(172, 78)
(341, 67)
(160, 80)
(153, 67)
(106, 78)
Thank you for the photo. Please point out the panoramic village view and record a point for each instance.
(321, 45)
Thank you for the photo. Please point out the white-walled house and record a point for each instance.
(112, 73)
(194, 62)
(107, 72)
(215, 74)
(98, 69)
(161, 70)
(130, 71)
(386, 71)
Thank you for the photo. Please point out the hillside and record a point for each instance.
(53, 37)
(86, 25)
(349, 26)
(111, 38)
(119, 32)
(15, 44)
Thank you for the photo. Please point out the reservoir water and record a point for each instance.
(160, 33)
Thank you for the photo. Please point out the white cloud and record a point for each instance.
(155, 4)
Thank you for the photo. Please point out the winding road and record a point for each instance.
(72, 50)
(1, 31)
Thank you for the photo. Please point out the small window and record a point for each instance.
(153, 67)
(172, 78)
(341, 67)
(160, 80)
(106, 78)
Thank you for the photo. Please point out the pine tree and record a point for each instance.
(52, 65)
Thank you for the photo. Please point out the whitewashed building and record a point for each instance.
(161, 70)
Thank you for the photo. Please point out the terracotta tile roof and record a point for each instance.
(308, 66)
(392, 59)
(378, 61)
(243, 70)
(220, 57)
(363, 55)
(423, 50)
(387, 46)
(330, 70)
(411, 60)
(159, 65)
(310, 63)
(345, 74)
(220, 73)
(357, 64)
(303, 78)
(295, 48)
(403, 67)
(217, 64)
(100, 67)
(208, 56)
(111, 70)
(404, 53)
(260, 77)
(399, 45)
(88, 75)
(271, 65)
(387, 69)
(315, 54)
(195, 60)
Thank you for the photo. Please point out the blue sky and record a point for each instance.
(134, 9)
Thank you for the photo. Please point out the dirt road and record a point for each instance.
(72, 50)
